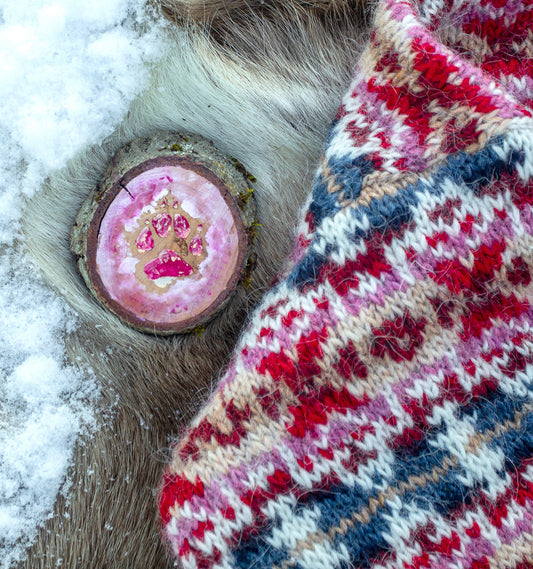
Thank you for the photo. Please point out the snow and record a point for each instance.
(68, 72)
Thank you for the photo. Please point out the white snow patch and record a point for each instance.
(68, 73)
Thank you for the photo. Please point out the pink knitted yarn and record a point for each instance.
(378, 412)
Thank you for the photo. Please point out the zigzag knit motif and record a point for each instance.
(379, 409)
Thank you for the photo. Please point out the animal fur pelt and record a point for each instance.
(378, 411)
(262, 80)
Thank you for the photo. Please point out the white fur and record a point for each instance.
(272, 113)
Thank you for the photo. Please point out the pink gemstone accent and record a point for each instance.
(196, 245)
(161, 223)
(168, 264)
(181, 226)
(145, 241)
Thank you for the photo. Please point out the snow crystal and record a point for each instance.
(68, 72)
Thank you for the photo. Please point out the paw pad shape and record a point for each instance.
(174, 238)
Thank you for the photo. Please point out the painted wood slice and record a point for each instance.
(163, 244)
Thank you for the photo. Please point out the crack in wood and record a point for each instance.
(129, 193)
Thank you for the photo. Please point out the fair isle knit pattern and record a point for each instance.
(379, 409)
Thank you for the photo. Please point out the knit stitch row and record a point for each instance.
(379, 409)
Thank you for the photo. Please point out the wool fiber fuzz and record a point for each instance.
(378, 411)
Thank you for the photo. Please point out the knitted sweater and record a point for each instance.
(379, 409)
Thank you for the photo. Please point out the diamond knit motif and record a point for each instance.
(379, 409)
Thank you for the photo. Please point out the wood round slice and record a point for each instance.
(163, 241)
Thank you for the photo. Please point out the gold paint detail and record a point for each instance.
(168, 204)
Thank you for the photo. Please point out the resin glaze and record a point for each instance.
(163, 244)
(168, 246)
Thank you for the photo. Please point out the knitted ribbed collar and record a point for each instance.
(378, 412)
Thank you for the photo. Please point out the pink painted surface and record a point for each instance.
(196, 246)
(145, 241)
(157, 282)
(162, 223)
(167, 264)
(181, 226)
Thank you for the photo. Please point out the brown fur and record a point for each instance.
(224, 11)
(151, 387)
